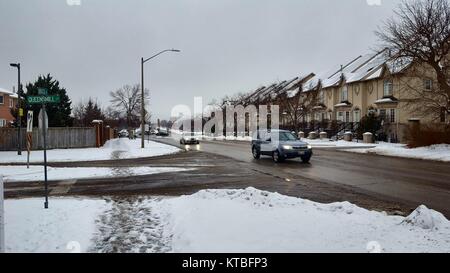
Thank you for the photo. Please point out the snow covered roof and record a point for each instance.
(366, 67)
(4, 91)
(386, 100)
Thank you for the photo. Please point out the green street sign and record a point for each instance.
(42, 92)
(43, 99)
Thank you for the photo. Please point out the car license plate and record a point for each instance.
(301, 153)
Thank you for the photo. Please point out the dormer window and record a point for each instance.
(344, 93)
(388, 88)
(427, 85)
(322, 97)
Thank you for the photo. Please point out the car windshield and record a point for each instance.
(287, 136)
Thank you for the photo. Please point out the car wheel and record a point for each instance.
(256, 153)
(277, 158)
(306, 159)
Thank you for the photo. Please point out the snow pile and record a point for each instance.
(439, 152)
(256, 221)
(427, 219)
(36, 173)
(122, 148)
(68, 225)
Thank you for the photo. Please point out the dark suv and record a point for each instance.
(280, 145)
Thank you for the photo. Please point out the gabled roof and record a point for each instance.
(254, 93)
(262, 94)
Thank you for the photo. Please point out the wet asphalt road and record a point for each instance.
(394, 185)
(406, 181)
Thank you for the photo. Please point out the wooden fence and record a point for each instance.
(57, 138)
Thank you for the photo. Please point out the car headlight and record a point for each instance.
(309, 147)
(287, 147)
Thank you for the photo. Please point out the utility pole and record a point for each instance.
(142, 105)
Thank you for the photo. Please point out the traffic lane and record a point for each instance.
(409, 181)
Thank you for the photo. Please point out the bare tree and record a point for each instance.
(420, 32)
(295, 105)
(128, 101)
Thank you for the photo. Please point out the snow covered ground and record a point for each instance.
(255, 221)
(121, 148)
(435, 152)
(68, 225)
(247, 220)
(36, 173)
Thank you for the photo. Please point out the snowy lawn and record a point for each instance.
(68, 225)
(121, 148)
(36, 173)
(435, 152)
(218, 221)
(255, 221)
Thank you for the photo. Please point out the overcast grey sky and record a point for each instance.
(228, 46)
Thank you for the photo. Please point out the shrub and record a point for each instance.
(426, 135)
(369, 123)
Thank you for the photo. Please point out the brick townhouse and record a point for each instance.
(8, 101)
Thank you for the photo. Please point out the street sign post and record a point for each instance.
(44, 99)
(29, 135)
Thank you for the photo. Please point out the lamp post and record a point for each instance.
(19, 120)
(143, 61)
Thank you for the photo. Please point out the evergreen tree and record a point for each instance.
(58, 114)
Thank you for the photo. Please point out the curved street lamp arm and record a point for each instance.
(173, 50)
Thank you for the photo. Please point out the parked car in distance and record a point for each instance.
(153, 131)
(162, 132)
(124, 133)
(189, 138)
(280, 145)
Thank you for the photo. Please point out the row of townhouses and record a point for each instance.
(8, 101)
(376, 83)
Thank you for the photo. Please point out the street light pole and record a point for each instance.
(143, 61)
(142, 105)
(19, 119)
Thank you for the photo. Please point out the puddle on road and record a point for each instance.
(130, 226)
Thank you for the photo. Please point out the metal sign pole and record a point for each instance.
(29, 135)
(45, 154)
(2, 217)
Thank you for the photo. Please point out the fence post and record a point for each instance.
(2, 217)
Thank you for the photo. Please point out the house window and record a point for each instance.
(344, 94)
(443, 115)
(392, 116)
(427, 84)
(356, 116)
(2, 99)
(382, 113)
(11, 102)
(388, 88)
(347, 116)
(2, 123)
(322, 97)
(340, 116)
